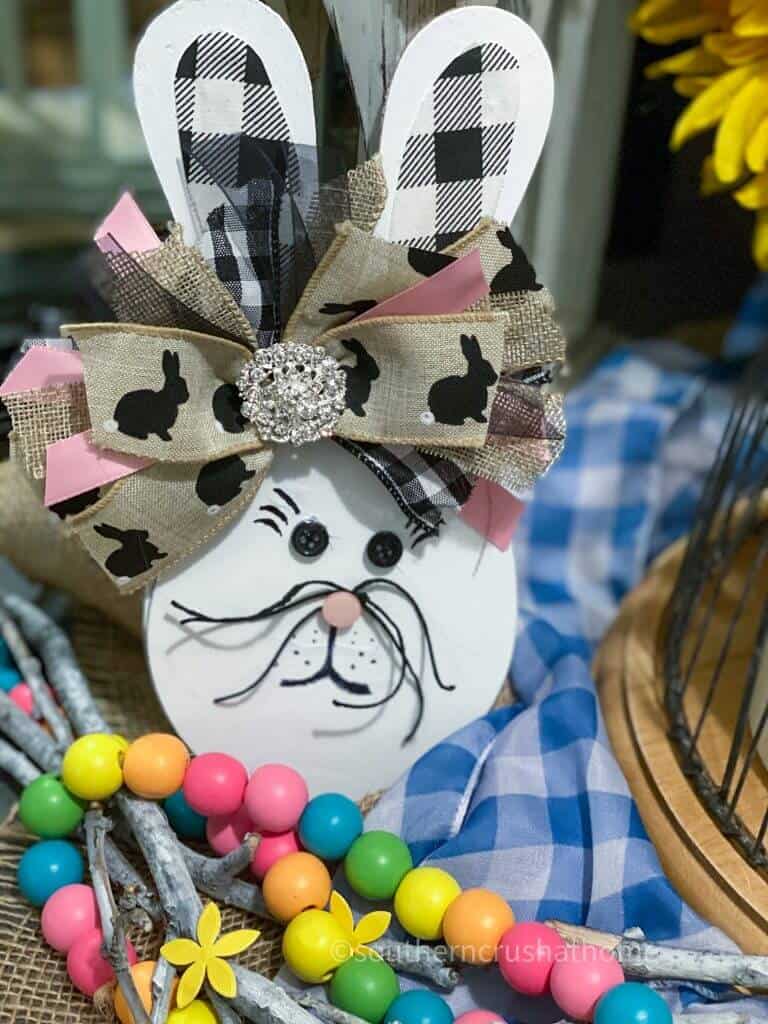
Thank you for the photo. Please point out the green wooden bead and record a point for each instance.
(48, 809)
(366, 987)
(376, 864)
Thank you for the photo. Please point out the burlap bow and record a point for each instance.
(165, 396)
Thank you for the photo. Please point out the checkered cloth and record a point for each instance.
(456, 158)
(530, 800)
(232, 133)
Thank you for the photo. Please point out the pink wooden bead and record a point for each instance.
(275, 798)
(581, 976)
(479, 1017)
(273, 847)
(227, 831)
(526, 955)
(68, 914)
(21, 695)
(214, 784)
(88, 970)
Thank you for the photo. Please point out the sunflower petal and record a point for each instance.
(709, 183)
(222, 978)
(754, 195)
(696, 61)
(209, 925)
(707, 109)
(235, 942)
(181, 952)
(734, 50)
(191, 982)
(757, 148)
(342, 912)
(692, 85)
(737, 127)
(372, 926)
(753, 22)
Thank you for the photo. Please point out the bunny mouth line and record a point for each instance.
(294, 598)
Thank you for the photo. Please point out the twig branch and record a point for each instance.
(16, 765)
(643, 959)
(326, 1011)
(28, 736)
(31, 670)
(222, 1008)
(419, 961)
(112, 930)
(61, 668)
(216, 876)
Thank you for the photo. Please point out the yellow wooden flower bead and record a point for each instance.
(92, 766)
(422, 899)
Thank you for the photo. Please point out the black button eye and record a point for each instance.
(385, 549)
(310, 539)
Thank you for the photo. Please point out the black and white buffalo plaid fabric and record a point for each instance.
(424, 485)
(241, 168)
(457, 154)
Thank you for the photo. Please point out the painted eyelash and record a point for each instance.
(278, 513)
(419, 532)
(271, 524)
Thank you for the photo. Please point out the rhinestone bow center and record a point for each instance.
(292, 393)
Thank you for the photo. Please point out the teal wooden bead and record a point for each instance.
(632, 1003)
(47, 867)
(183, 820)
(9, 677)
(419, 1006)
(329, 824)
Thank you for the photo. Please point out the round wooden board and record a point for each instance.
(705, 868)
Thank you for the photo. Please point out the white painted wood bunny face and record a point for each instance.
(337, 703)
(323, 628)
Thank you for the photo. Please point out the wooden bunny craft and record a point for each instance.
(305, 431)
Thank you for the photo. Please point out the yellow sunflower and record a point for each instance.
(725, 76)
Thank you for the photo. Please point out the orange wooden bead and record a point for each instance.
(474, 923)
(142, 976)
(154, 765)
(294, 883)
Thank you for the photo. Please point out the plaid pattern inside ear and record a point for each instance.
(234, 137)
(423, 485)
(456, 158)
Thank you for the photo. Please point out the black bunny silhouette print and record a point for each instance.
(356, 308)
(144, 412)
(518, 275)
(135, 554)
(221, 481)
(226, 409)
(454, 399)
(359, 377)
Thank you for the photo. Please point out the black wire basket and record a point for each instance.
(714, 633)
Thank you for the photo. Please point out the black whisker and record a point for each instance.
(385, 622)
(382, 581)
(283, 605)
(271, 524)
(287, 499)
(275, 658)
(275, 512)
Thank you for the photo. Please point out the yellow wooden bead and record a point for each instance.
(422, 899)
(92, 767)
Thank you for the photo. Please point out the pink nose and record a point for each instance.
(341, 610)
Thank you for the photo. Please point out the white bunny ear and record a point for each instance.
(217, 81)
(485, 86)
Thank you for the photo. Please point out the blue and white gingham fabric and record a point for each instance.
(529, 800)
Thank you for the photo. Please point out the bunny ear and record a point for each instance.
(221, 89)
(486, 89)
